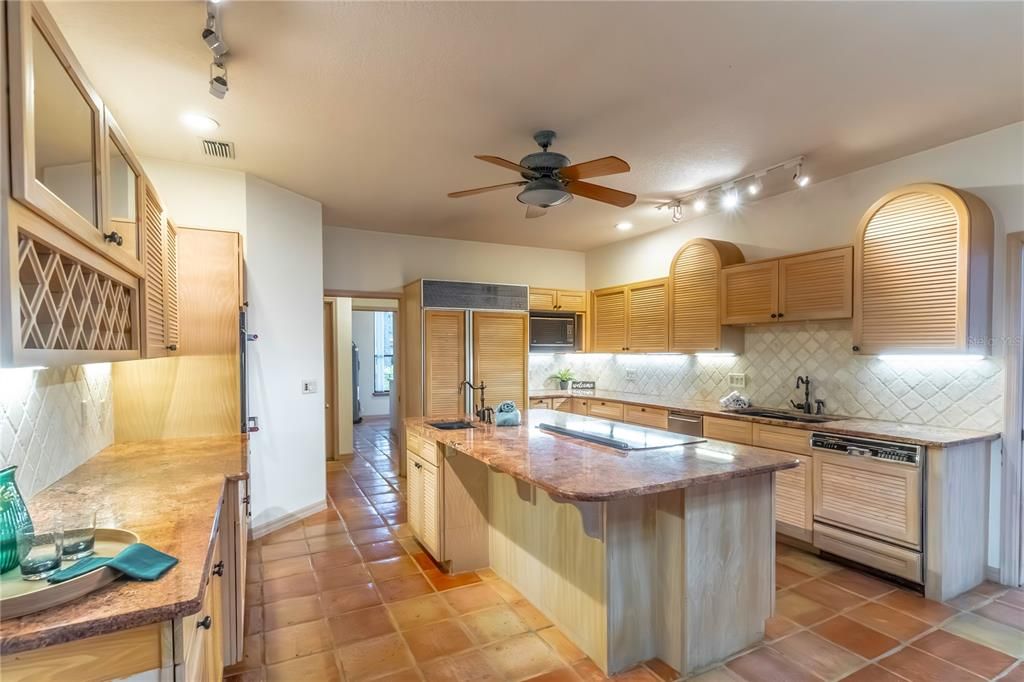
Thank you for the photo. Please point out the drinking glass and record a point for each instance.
(40, 551)
(79, 533)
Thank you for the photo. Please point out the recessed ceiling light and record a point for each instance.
(199, 122)
(623, 226)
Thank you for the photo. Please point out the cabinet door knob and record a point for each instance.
(774, 316)
(856, 348)
(172, 347)
(205, 623)
(113, 237)
(781, 316)
(218, 568)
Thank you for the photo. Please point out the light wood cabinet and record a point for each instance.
(544, 403)
(732, 430)
(581, 406)
(923, 265)
(609, 321)
(695, 322)
(641, 415)
(808, 286)
(561, 404)
(563, 300)
(794, 512)
(631, 318)
(606, 409)
(160, 328)
(444, 360)
(501, 346)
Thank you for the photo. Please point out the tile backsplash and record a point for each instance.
(944, 392)
(52, 420)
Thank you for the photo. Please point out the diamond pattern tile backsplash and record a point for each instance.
(44, 427)
(946, 392)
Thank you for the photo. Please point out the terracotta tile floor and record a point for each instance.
(348, 595)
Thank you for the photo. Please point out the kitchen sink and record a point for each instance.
(785, 416)
(451, 426)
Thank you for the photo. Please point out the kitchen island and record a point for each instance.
(635, 554)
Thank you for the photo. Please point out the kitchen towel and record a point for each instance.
(138, 561)
(507, 414)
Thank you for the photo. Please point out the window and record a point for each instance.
(383, 352)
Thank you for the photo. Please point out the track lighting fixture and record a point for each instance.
(211, 32)
(728, 193)
(218, 80)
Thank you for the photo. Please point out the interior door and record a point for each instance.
(445, 362)
(500, 348)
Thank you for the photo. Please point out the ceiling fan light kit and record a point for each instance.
(550, 180)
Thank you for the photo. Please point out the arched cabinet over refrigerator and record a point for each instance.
(923, 273)
(695, 322)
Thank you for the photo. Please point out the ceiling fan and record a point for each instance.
(549, 180)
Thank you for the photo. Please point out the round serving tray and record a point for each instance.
(20, 597)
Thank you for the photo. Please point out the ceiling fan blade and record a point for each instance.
(599, 193)
(505, 163)
(481, 190)
(609, 165)
(535, 211)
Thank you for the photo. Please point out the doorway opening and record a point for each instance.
(1011, 490)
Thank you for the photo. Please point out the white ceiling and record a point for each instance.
(377, 108)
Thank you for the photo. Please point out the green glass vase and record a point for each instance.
(13, 518)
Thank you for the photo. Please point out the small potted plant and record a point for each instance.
(563, 377)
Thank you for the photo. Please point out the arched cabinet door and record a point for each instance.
(923, 273)
(695, 322)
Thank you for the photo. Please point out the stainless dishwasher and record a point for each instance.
(681, 422)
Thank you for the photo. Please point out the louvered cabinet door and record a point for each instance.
(432, 520)
(750, 293)
(647, 320)
(875, 498)
(154, 287)
(414, 488)
(816, 286)
(444, 354)
(695, 294)
(543, 299)
(922, 267)
(609, 324)
(500, 356)
(172, 298)
(793, 512)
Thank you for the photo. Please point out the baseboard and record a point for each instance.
(992, 574)
(256, 532)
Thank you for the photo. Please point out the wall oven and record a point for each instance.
(554, 332)
(869, 503)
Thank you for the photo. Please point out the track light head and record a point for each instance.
(730, 198)
(701, 204)
(215, 42)
(755, 186)
(799, 178)
(218, 81)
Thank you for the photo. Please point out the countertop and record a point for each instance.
(169, 493)
(917, 434)
(577, 470)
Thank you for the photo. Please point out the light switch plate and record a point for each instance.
(308, 386)
(738, 380)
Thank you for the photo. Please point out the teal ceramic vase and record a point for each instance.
(13, 518)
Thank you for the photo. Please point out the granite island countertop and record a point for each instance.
(917, 434)
(169, 493)
(578, 470)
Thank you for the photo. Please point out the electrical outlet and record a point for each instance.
(308, 386)
(630, 375)
(83, 415)
(737, 380)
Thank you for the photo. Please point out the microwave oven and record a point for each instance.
(554, 332)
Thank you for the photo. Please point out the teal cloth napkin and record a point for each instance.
(138, 561)
(514, 418)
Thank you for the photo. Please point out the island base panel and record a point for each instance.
(686, 576)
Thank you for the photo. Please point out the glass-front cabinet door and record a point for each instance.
(124, 191)
(59, 141)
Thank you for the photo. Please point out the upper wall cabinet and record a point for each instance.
(923, 267)
(811, 286)
(631, 318)
(694, 298)
(558, 299)
(58, 135)
(160, 284)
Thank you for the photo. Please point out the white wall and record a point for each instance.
(362, 334)
(285, 292)
(199, 196)
(360, 260)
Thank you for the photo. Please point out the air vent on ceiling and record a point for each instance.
(218, 149)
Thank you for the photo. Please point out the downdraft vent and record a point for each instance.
(218, 149)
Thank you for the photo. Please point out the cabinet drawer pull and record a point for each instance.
(417, 465)
(245, 499)
(218, 568)
(205, 623)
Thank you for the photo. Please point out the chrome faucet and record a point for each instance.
(805, 406)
